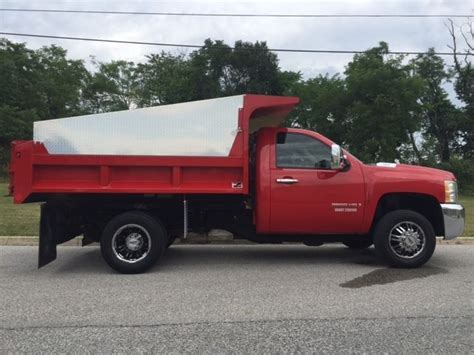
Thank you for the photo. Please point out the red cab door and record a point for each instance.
(307, 196)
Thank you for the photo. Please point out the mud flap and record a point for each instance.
(53, 231)
(47, 245)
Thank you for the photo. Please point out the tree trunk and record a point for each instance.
(415, 148)
(445, 154)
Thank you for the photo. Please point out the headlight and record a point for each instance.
(450, 191)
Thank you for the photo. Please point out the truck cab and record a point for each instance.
(306, 189)
(259, 180)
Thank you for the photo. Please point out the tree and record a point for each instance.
(15, 124)
(115, 86)
(165, 80)
(214, 70)
(218, 70)
(18, 73)
(60, 83)
(439, 117)
(323, 106)
(464, 82)
(39, 84)
(252, 68)
(382, 104)
(43, 80)
(207, 69)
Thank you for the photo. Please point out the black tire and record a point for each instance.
(128, 231)
(358, 242)
(390, 247)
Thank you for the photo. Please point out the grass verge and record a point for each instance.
(17, 219)
(24, 219)
(468, 203)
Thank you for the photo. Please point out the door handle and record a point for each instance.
(287, 181)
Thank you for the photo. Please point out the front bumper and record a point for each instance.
(453, 215)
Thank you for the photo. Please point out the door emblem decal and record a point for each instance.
(345, 207)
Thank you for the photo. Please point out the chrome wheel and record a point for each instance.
(131, 243)
(407, 239)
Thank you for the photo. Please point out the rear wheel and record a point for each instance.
(132, 242)
(405, 238)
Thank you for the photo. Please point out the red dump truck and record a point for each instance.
(135, 180)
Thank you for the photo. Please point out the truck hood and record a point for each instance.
(385, 178)
(413, 170)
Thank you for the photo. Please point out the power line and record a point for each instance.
(160, 44)
(238, 14)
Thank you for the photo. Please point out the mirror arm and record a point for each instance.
(347, 164)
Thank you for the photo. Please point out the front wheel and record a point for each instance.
(132, 242)
(405, 238)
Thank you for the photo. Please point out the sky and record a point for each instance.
(408, 34)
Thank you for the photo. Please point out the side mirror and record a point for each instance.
(336, 156)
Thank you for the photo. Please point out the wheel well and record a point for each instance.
(426, 205)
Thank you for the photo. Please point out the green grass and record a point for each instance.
(468, 203)
(24, 219)
(17, 219)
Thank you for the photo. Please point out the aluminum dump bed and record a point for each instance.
(194, 147)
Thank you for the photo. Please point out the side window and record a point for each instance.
(295, 150)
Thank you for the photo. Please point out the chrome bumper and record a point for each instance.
(453, 215)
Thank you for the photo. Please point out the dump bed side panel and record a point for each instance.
(35, 171)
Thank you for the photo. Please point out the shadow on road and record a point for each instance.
(206, 258)
(390, 275)
(222, 257)
(267, 255)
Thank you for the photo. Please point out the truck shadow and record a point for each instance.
(391, 275)
(205, 258)
(265, 255)
(223, 257)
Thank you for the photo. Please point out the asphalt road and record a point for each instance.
(246, 298)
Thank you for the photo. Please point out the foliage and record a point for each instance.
(165, 80)
(59, 83)
(323, 107)
(14, 125)
(217, 70)
(464, 82)
(438, 115)
(464, 172)
(372, 111)
(383, 99)
(43, 80)
(115, 86)
(19, 75)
